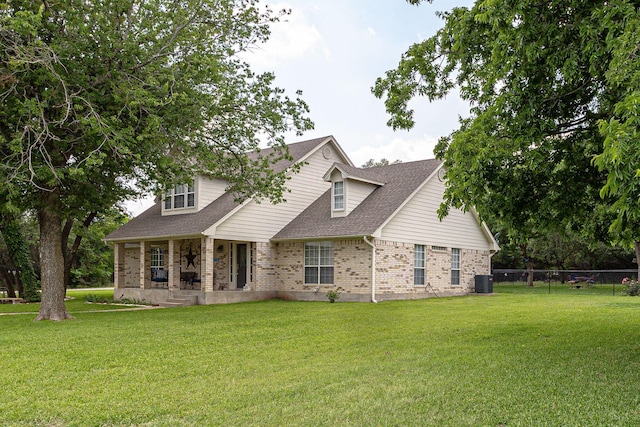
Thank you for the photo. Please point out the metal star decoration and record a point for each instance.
(190, 258)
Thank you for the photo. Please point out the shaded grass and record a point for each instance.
(501, 360)
(76, 303)
(559, 288)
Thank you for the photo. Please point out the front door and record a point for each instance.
(241, 265)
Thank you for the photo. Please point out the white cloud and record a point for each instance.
(406, 150)
(291, 38)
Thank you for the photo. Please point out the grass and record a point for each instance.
(77, 302)
(559, 288)
(508, 359)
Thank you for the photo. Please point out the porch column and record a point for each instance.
(206, 263)
(142, 264)
(118, 265)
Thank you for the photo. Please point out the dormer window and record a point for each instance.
(338, 196)
(180, 197)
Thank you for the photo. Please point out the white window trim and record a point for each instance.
(456, 261)
(334, 195)
(189, 189)
(422, 267)
(319, 264)
(157, 258)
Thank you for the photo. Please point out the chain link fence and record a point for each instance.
(564, 281)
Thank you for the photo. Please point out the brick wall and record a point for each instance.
(280, 267)
(185, 245)
(132, 267)
(394, 267)
(265, 270)
(394, 271)
(290, 266)
(352, 266)
(221, 265)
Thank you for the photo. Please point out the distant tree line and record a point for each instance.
(88, 259)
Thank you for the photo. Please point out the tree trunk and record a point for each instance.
(528, 263)
(530, 274)
(9, 280)
(51, 260)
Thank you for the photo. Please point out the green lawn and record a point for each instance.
(559, 288)
(508, 359)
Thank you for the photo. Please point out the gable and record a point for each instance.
(151, 224)
(267, 219)
(417, 222)
(401, 181)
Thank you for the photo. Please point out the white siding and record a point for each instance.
(207, 190)
(356, 192)
(259, 222)
(417, 222)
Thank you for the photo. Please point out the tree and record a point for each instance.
(382, 162)
(21, 276)
(99, 101)
(538, 76)
(92, 263)
(18, 270)
(621, 153)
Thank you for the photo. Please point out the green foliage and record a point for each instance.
(565, 251)
(99, 299)
(382, 162)
(18, 249)
(392, 363)
(621, 153)
(122, 98)
(551, 85)
(632, 287)
(333, 295)
(93, 266)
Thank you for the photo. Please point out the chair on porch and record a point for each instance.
(187, 277)
(161, 277)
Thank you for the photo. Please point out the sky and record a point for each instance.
(333, 50)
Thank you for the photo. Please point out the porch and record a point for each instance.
(152, 271)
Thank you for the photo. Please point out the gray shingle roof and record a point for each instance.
(151, 224)
(401, 180)
(362, 174)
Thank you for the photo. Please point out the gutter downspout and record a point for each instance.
(373, 268)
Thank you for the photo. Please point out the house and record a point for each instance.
(371, 233)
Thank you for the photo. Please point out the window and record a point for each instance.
(455, 266)
(419, 263)
(181, 196)
(338, 195)
(157, 259)
(318, 263)
(438, 248)
(178, 196)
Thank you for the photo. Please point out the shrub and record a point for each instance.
(333, 295)
(96, 299)
(632, 288)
